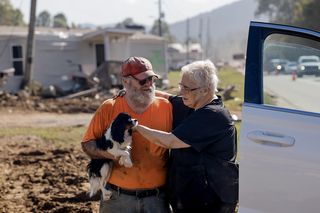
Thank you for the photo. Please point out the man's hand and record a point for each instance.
(120, 93)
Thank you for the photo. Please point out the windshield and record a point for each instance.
(309, 60)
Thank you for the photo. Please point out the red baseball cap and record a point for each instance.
(140, 67)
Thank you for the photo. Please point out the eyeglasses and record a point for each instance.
(144, 81)
(187, 89)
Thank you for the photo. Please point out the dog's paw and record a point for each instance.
(106, 195)
(125, 161)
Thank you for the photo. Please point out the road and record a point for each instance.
(302, 93)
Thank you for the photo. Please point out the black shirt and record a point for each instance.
(206, 169)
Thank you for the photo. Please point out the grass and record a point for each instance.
(60, 136)
(174, 78)
(229, 76)
(269, 99)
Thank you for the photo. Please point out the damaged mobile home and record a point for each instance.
(63, 55)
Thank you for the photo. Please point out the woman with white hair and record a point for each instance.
(203, 173)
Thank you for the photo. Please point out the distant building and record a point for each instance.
(61, 53)
(180, 55)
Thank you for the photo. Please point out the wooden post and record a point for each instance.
(29, 51)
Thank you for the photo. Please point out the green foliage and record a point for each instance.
(164, 30)
(60, 20)
(43, 19)
(281, 11)
(124, 23)
(311, 15)
(10, 16)
(303, 13)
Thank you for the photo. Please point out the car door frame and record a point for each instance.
(258, 32)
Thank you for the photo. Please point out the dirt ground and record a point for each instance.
(35, 175)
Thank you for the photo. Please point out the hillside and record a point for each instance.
(223, 30)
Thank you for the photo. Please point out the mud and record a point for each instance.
(36, 176)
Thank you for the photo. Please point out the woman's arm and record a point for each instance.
(164, 139)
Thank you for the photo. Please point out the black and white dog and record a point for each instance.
(117, 141)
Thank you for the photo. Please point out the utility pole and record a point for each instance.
(160, 17)
(29, 51)
(200, 37)
(208, 39)
(187, 41)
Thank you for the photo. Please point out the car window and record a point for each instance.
(291, 72)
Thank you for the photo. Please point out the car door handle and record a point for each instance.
(271, 139)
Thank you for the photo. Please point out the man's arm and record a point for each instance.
(91, 149)
(165, 139)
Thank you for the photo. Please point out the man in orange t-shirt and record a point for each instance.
(141, 187)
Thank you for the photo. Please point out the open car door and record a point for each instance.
(280, 129)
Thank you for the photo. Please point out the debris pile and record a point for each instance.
(86, 103)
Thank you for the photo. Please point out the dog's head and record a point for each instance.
(121, 128)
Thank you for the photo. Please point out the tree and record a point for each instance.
(43, 19)
(304, 13)
(124, 23)
(311, 16)
(60, 20)
(164, 29)
(128, 23)
(9, 15)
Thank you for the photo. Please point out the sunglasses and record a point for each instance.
(144, 81)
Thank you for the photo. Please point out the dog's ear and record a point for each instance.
(130, 131)
(118, 127)
(117, 132)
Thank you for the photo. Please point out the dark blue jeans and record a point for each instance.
(123, 203)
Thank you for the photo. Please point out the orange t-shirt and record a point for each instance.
(149, 160)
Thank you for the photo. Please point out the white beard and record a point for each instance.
(139, 97)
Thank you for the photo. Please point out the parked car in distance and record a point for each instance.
(308, 65)
(278, 65)
(291, 67)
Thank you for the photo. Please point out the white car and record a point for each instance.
(309, 65)
(280, 129)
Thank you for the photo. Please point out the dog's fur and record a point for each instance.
(117, 141)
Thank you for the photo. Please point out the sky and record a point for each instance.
(104, 12)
